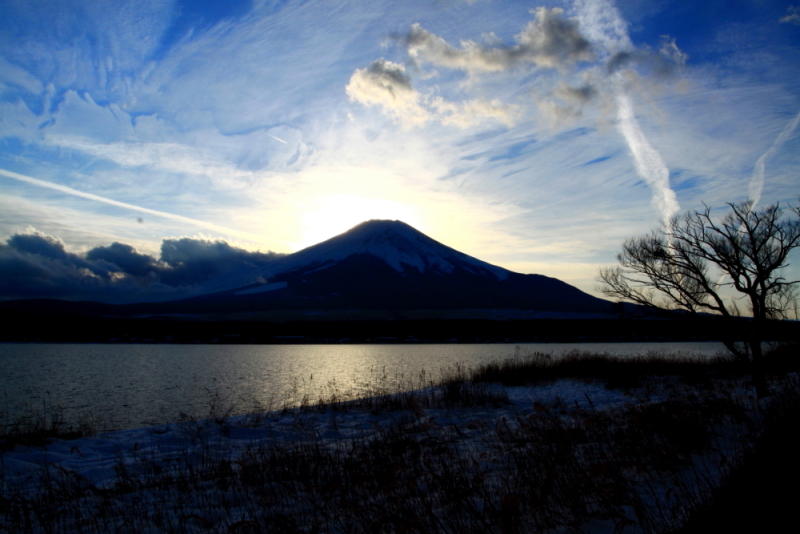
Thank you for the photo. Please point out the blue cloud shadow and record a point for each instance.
(596, 160)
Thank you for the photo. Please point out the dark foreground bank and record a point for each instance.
(761, 495)
(370, 327)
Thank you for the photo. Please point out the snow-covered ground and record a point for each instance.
(94, 458)
(482, 467)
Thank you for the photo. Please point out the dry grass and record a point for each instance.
(616, 371)
(41, 424)
(641, 467)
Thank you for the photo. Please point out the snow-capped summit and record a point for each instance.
(389, 265)
(394, 242)
(377, 265)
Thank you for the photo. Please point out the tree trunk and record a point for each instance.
(738, 353)
(755, 360)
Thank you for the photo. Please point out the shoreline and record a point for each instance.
(303, 459)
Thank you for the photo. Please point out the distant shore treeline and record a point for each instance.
(64, 328)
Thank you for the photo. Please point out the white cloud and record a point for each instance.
(89, 45)
(173, 157)
(472, 112)
(669, 49)
(18, 122)
(792, 17)
(386, 84)
(80, 228)
(548, 41)
(14, 75)
(603, 25)
(757, 181)
(566, 103)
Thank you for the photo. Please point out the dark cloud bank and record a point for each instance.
(34, 265)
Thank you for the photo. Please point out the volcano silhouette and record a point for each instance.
(376, 265)
(389, 265)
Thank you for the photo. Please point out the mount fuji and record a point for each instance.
(377, 266)
(382, 265)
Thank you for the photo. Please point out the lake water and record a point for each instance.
(126, 386)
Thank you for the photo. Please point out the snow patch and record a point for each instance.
(394, 242)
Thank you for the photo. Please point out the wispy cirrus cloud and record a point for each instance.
(497, 128)
(550, 41)
(756, 186)
(792, 16)
(125, 205)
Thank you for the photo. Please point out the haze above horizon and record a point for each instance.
(535, 136)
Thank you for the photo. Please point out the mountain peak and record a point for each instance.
(381, 224)
(396, 243)
(376, 227)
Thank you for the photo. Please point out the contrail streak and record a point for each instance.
(647, 160)
(757, 180)
(278, 139)
(601, 22)
(97, 198)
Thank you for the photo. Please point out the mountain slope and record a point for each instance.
(377, 265)
(395, 243)
(389, 265)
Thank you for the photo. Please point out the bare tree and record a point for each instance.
(693, 263)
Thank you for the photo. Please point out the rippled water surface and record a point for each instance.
(123, 386)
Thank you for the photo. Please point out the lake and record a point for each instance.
(128, 386)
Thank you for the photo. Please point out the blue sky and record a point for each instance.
(532, 135)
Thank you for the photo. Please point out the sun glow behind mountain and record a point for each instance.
(331, 215)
